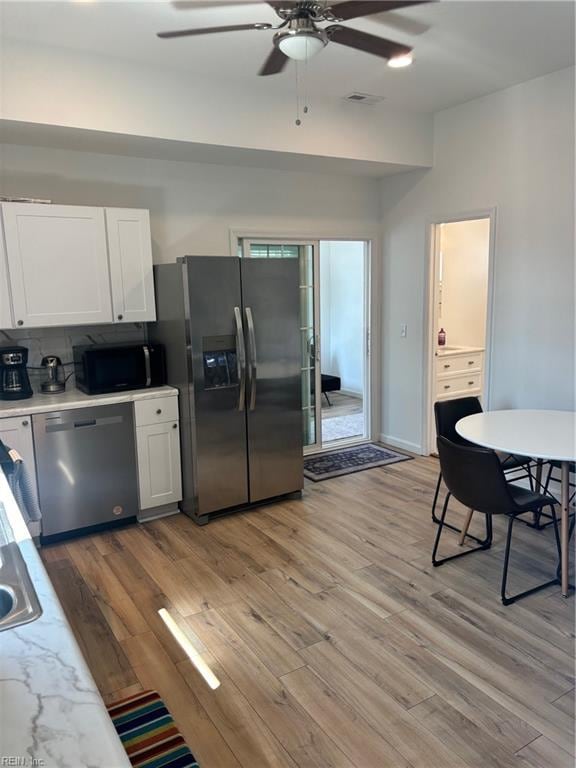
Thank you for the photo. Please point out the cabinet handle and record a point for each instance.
(20, 322)
(174, 426)
(24, 423)
(446, 366)
(159, 411)
(470, 383)
(470, 362)
(120, 317)
(446, 386)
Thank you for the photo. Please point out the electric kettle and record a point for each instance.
(55, 382)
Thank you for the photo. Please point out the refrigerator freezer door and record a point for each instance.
(270, 293)
(215, 340)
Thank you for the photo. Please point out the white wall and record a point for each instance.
(512, 150)
(342, 312)
(63, 87)
(465, 247)
(194, 207)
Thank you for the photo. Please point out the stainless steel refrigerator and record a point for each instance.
(231, 329)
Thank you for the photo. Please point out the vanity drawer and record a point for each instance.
(457, 385)
(455, 363)
(155, 411)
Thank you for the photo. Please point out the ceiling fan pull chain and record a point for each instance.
(306, 110)
(298, 121)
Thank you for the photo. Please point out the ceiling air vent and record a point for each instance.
(363, 98)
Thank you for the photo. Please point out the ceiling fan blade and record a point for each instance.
(354, 9)
(188, 5)
(362, 41)
(275, 63)
(211, 30)
(400, 23)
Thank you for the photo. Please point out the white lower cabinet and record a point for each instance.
(158, 450)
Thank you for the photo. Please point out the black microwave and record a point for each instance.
(104, 368)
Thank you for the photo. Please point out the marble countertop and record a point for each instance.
(74, 398)
(448, 351)
(51, 711)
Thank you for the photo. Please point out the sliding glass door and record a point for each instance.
(335, 333)
(307, 254)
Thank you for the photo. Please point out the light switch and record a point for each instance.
(403, 330)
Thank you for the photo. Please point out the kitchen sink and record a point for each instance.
(18, 600)
(6, 601)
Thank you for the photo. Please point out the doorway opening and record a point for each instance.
(343, 334)
(335, 333)
(460, 313)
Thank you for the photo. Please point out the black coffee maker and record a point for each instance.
(14, 381)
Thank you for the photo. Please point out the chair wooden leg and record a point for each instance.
(485, 544)
(465, 527)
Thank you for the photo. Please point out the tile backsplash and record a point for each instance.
(59, 341)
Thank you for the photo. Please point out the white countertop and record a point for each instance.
(74, 398)
(448, 351)
(50, 706)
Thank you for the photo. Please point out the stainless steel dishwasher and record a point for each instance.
(86, 466)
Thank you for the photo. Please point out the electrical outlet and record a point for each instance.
(403, 330)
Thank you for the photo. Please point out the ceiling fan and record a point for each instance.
(299, 37)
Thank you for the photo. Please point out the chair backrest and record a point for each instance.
(449, 412)
(474, 477)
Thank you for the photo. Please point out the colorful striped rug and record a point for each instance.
(149, 734)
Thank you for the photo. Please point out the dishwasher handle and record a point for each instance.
(65, 426)
(86, 423)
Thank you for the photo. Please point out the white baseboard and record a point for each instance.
(351, 392)
(396, 442)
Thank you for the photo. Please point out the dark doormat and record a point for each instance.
(323, 466)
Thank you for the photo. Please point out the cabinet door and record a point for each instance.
(58, 263)
(130, 252)
(16, 433)
(5, 305)
(159, 477)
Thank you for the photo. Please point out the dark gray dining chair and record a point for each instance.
(475, 477)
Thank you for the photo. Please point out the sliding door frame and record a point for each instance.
(314, 447)
(372, 311)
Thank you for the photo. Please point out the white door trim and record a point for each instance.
(372, 276)
(429, 332)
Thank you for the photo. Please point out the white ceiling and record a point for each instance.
(463, 49)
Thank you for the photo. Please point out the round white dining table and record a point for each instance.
(544, 435)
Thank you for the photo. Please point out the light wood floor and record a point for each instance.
(336, 643)
(342, 405)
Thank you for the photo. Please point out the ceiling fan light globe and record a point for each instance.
(399, 62)
(300, 46)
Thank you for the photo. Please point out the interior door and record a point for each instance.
(270, 292)
(216, 339)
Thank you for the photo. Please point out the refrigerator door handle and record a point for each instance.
(253, 359)
(240, 358)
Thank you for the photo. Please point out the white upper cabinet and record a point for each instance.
(58, 264)
(5, 305)
(130, 253)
